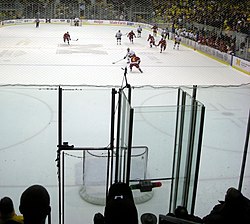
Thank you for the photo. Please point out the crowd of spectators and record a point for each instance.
(227, 15)
(224, 17)
(216, 24)
(222, 42)
(34, 207)
(120, 208)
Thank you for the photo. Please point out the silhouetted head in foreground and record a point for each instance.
(6, 208)
(35, 204)
(120, 207)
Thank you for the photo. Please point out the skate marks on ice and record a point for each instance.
(7, 55)
(19, 49)
(81, 49)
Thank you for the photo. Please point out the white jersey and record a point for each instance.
(164, 32)
(118, 35)
(130, 54)
(177, 39)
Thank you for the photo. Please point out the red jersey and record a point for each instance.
(135, 60)
(66, 36)
(131, 35)
(162, 42)
(151, 38)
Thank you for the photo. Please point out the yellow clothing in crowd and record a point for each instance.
(16, 218)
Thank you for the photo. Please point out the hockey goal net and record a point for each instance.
(93, 175)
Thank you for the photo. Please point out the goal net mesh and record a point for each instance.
(89, 171)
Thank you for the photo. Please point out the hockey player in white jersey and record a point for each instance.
(118, 36)
(129, 54)
(177, 41)
(139, 30)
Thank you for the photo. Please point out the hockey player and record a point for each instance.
(37, 23)
(155, 29)
(76, 22)
(151, 40)
(129, 54)
(135, 62)
(177, 41)
(131, 36)
(139, 30)
(164, 33)
(167, 33)
(118, 36)
(163, 44)
(66, 37)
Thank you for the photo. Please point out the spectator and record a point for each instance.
(148, 218)
(225, 15)
(182, 213)
(234, 209)
(35, 205)
(7, 212)
(120, 207)
(98, 218)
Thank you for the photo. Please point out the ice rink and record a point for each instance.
(34, 61)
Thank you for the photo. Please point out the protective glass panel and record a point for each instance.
(28, 130)
(195, 159)
(186, 151)
(84, 176)
(188, 98)
(86, 116)
(154, 128)
(123, 137)
(182, 152)
(181, 155)
(85, 123)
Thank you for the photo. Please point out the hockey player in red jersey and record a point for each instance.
(135, 62)
(151, 40)
(131, 36)
(66, 37)
(163, 44)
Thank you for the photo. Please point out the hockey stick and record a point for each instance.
(117, 61)
(75, 39)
